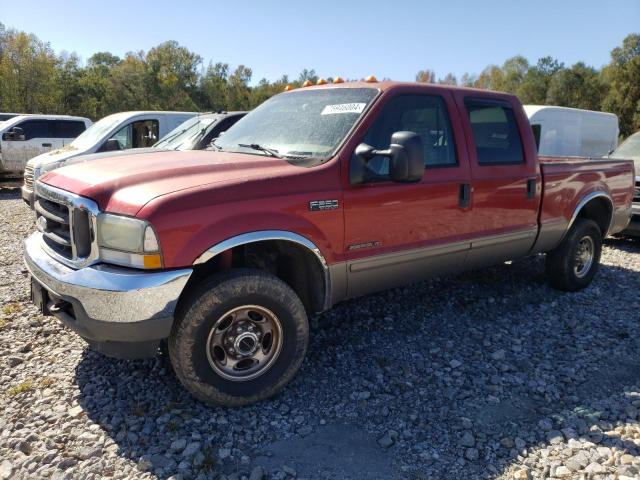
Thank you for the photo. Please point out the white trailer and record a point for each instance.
(571, 132)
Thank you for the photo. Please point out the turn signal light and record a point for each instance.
(287, 88)
(321, 81)
(307, 83)
(152, 261)
(371, 79)
(338, 80)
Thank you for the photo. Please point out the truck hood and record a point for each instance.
(124, 184)
(89, 157)
(54, 156)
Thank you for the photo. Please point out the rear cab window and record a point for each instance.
(495, 132)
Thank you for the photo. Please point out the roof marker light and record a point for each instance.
(321, 81)
(371, 79)
(338, 80)
(288, 88)
(307, 83)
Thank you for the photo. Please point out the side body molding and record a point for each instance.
(263, 235)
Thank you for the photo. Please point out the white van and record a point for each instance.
(25, 136)
(120, 131)
(571, 132)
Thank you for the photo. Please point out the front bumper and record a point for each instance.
(27, 195)
(121, 312)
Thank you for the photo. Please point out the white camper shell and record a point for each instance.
(571, 132)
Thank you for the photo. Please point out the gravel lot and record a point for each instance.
(489, 374)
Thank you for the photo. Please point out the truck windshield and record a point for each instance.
(185, 135)
(95, 132)
(630, 149)
(304, 124)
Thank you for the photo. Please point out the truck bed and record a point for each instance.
(566, 180)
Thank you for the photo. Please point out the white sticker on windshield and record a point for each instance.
(343, 108)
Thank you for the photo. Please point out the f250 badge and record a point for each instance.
(315, 205)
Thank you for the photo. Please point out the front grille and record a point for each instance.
(28, 177)
(66, 222)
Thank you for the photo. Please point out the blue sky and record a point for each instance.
(348, 38)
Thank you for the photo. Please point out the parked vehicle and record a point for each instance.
(571, 132)
(630, 149)
(318, 195)
(194, 134)
(25, 136)
(6, 116)
(120, 131)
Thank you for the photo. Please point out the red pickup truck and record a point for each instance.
(320, 194)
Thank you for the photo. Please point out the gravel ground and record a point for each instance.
(489, 374)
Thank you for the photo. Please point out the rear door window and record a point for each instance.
(68, 128)
(495, 132)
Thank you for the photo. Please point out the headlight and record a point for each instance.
(44, 168)
(128, 241)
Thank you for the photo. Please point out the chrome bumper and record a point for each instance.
(107, 294)
(27, 195)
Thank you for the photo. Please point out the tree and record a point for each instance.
(238, 93)
(172, 76)
(623, 77)
(579, 87)
(426, 76)
(534, 86)
(213, 87)
(449, 79)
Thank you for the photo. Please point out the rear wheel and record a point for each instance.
(238, 338)
(572, 265)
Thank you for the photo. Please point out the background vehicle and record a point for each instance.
(318, 195)
(120, 131)
(6, 116)
(630, 149)
(25, 136)
(571, 132)
(194, 134)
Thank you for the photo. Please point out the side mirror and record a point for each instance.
(110, 145)
(406, 159)
(15, 134)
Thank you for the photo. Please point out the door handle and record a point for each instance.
(464, 198)
(46, 144)
(531, 188)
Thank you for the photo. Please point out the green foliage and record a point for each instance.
(615, 88)
(33, 79)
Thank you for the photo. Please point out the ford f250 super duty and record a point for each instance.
(318, 195)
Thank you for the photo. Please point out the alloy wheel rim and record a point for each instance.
(244, 343)
(583, 257)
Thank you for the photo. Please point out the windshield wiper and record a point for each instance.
(213, 143)
(255, 146)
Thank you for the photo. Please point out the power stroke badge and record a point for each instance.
(316, 205)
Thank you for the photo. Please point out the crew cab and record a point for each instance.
(320, 194)
(120, 131)
(23, 137)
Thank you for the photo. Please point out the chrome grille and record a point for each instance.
(28, 177)
(67, 223)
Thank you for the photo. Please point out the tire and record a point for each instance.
(563, 265)
(202, 355)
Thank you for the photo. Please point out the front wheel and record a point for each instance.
(574, 263)
(238, 338)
